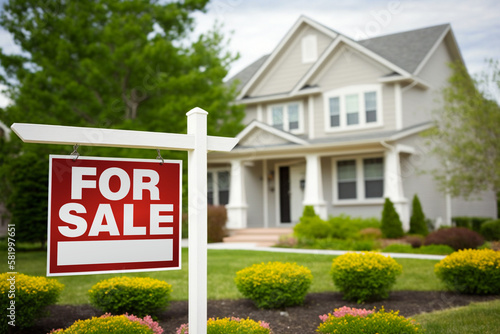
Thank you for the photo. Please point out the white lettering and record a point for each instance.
(66, 216)
(128, 222)
(124, 183)
(104, 211)
(156, 219)
(78, 183)
(140, 185)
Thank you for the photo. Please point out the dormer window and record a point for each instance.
(287, 117)
(353, 108)
(309, 49)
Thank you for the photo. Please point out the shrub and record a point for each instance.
(343, 311)
(365, 276)
(216, 221)
(455, 237)
(138, 295)
(113, 324)
(473, 223)
(418, 224)
(391, 224)
(25, 298)
(379, 322)
(309, 211)
(370, 233)
(414, 240)
(346, 227)
(330, 243)
(399, 248)
(231, 325)
(471, 271)
(312, 227)
(491, 230)
(275, 284)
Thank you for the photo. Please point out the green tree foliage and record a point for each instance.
(466, 135)
(418, 224)
(391, 224)
(127, 64)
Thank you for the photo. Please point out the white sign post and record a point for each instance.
(197, 143)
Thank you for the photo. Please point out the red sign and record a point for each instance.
(109, 215)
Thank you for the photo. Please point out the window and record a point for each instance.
(359, 179)
(353, 107)
(287, 117)
(309, 49)
(218, 187)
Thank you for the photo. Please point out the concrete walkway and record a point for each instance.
(253, 247)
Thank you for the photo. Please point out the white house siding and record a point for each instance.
(480, 205)
(250, 114)
(389, 107)
(418, 103)
(287, 68)
(349, 68)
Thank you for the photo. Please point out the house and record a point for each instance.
(336, 123)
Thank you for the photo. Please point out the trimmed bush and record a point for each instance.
(231, 325)
(414, 240)
(418, 224)
(370, 233)
(312, 228)
(473, 223)
(365, 276)
(25, 298)
(374, 323)
(113, 324)
(275, 284)
(491, 230)
(139, 295)
(392, 227)
(216, 221)
(472, 271)
(455, 237)
(346, 227)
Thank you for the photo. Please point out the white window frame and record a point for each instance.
(215, 180)
(309, 49)
(360, 181)
(286, 122)
(341, 93)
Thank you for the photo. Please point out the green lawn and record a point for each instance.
(222, 267)
(477, 318)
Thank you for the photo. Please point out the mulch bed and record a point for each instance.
(291, 320)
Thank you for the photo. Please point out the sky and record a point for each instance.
(255, 27)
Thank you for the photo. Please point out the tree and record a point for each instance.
(127, 64)
(418, 225)
(466, 135)
(391, 224)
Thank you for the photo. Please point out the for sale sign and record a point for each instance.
(109, 215)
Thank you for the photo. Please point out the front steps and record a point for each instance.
(263, 237)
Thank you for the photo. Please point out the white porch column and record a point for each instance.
(393, 185)
(313, 194)
(237, 206)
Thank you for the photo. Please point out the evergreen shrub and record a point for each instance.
(471, 271)
(231, 325)
(391, 224)
(25, 297)
(365, 276)
(473, 223)
(362, 322)
(136, 295)
(455, 237)
(418, 224)
(123, 324)
(275, 284)
(491, 230)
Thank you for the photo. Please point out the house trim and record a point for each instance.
(282, 134)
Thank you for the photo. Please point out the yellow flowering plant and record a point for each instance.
(137, 295)
(374, 323)
(365, 276)
(472, 271)
(231, 325)
(275, 284)
(25, 297)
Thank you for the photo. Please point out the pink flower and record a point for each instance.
(343, 311)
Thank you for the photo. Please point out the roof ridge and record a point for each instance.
(405, 32)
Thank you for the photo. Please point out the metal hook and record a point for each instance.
(75, 152)
(159, 156)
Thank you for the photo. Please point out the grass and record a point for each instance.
(222, 267)
(476, 318)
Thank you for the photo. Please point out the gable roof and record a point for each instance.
(282, 137)
(404, 53)
(406, 49)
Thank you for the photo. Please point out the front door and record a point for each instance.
(284, 195)
(291, 192)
